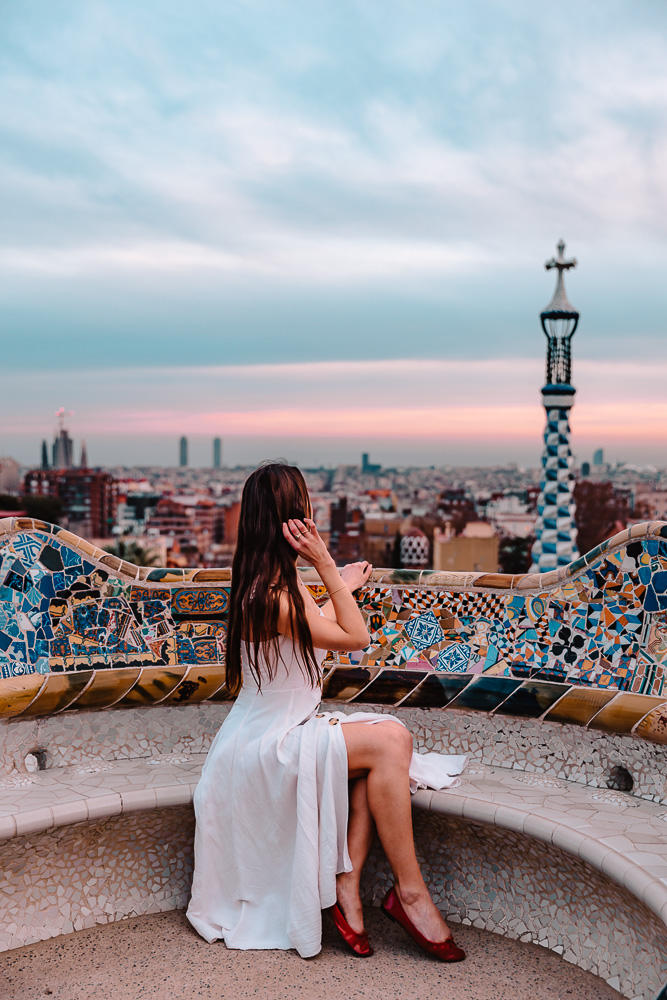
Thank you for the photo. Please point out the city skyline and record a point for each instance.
(195, 207)
(469, 427)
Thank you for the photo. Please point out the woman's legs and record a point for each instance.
(360, 834)
(382, 751)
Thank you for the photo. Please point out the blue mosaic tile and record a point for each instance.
(9, 668)
(15, 581)
(71, 558)
(455, 658)
(424, 631)
(27, 546)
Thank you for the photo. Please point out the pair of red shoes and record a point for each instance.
(446, 951)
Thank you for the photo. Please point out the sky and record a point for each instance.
(316, 228)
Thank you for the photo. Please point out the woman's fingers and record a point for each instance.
(290, 536)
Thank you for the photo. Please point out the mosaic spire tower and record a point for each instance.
(555, 528)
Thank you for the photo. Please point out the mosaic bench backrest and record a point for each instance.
(80, 628)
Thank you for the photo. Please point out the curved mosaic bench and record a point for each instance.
(556, 678)
(572, 868)
(586, 644)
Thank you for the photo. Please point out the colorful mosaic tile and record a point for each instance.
(603, 624)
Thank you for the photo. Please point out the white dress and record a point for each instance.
(271, 813)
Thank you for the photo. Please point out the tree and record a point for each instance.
(602, 510)
(514, 554)
(396, 551)
(132, 552)
(42, 508)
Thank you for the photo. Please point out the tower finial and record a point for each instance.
(559, 300)
(559, 321)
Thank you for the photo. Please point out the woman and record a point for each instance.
(279, 835)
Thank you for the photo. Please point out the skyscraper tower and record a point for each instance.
(217, 453)
(183, 452)
(63, 446)
(555, 528)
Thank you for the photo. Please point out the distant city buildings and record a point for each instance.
(9, 476)
(183, 453)
(88, 498)
(475, 548)
(217, 453)
(62, 450)
(449, 519)
(415, 549)
(367, 467)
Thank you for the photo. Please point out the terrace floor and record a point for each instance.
(161, 958)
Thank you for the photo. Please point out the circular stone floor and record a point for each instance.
(160, 957)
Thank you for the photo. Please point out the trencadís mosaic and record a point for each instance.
(481, 641)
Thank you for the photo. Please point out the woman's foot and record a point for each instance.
(445, 949)
(349, 901)
(423, 914)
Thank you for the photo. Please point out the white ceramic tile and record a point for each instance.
(33, 821)
(137, 798)
(510, 818)
(74, 811)
(103, 806)
(539, 827)
(479, 810)
(172, 795)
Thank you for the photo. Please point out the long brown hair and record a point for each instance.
(264, 566)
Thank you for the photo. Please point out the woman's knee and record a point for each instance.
(395, 740)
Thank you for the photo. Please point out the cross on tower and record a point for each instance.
(560, 262)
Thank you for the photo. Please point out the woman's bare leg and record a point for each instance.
(382, 750)
(360, 834)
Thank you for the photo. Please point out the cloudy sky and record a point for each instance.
(316, 227)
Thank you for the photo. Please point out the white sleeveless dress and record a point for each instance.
(271, 812)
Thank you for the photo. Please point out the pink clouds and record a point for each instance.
(489, 408)
(458, 423)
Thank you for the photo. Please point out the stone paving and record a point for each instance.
(161, 958)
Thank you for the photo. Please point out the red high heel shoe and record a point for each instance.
(446, 951)
(358, 943)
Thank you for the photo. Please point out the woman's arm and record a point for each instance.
(348, 631)
(354, 575)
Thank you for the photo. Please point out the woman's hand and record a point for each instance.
(304, 538)
(356, 574)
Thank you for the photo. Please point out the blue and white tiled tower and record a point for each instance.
(555, 527)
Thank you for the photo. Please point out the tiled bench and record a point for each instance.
(599, 841)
